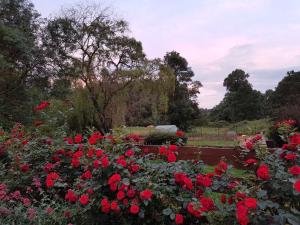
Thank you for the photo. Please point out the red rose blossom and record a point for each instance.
(179, 219)
(263, 172)
(105, 205)
(78, 138)
(171, 157)
(70, 196)
(297, 185)
(223, 198)
(42, 105)
(251, 203)
(134, 209)
(242, 214)
(146, 194)
(84, 199)
(294, 170)
(290, 156)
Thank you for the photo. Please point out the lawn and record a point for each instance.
(244, 127)
(238, 173)
(213, 143)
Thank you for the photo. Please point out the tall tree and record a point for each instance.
(183, 106)
(241, 102)
(21, 58)
(93, 46)
(285, 99)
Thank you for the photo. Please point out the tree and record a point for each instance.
(285, 99)
(148, 97)
(236, 80)
(183, 107)
(241, 102)
(90, 45)
(21, 59)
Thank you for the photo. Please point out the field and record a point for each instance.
(217, 136)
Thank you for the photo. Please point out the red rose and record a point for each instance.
(99, 153)
(131, 193)
(207, 204)
(221, 168)
(251, 203)
(129, 153)
(297, 185)
(25, 142)
(92, 140)
(240, 195)
(291, 156)
(78, 154)
(84, 199)
(90, 152)
(120, 195)
(294, 170)
(134, 168)
(105, 162)
(242, 214)
(134, 209)
(179, 177)
(263, 172)
(42, 105)
(179, 219)
(105, 206)
(171, 157)
(162, 150)
(179, 133)
(295, 139)
(172, 148)
(96, 163)
(258, 137)
(49, 183)
(125, 201)
(24, 167)
(70, 196)
(146, 194)
(121, 161)
(114, 206)
(115, 178)
(75, 162)
(205, 181)
(78, 138)
(86, 175)
(249, 145)
(223, 198)
(188, 183)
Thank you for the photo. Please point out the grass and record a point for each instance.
(243, 127)
(235, 172)
(214, 143)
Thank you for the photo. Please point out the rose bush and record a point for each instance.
(99, 179)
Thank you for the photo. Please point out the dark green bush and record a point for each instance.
(160, 138)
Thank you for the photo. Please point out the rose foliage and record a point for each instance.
(96, 179)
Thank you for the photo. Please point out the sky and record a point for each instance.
(215, 36)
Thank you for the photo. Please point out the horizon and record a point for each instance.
(265, 46)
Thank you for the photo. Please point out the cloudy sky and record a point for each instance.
(215, 36)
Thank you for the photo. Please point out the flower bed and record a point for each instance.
(98, 179)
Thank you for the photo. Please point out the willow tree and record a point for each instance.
(90, 45)
(148, 97)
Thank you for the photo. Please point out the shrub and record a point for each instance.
(160, 138)
(97, 179)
